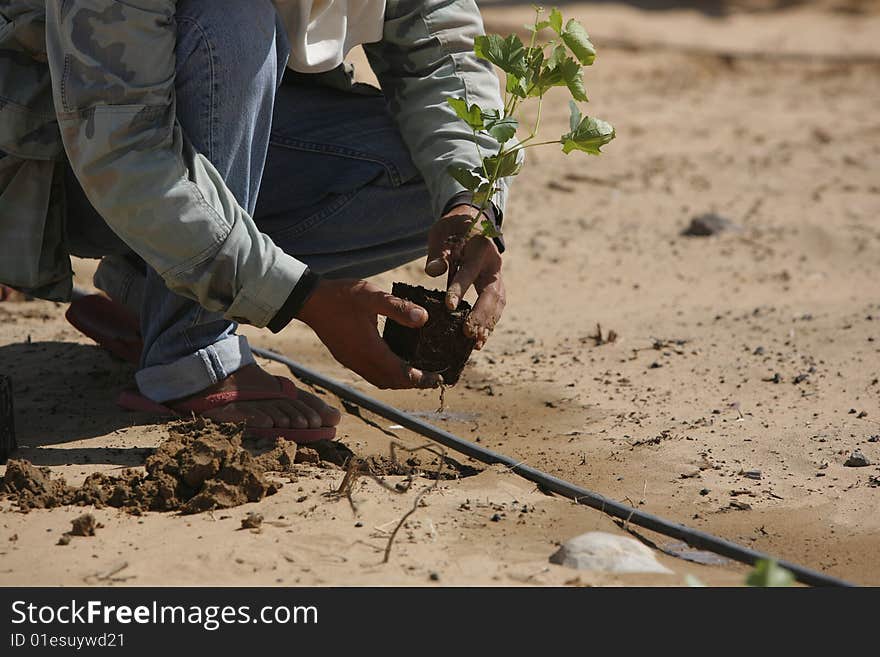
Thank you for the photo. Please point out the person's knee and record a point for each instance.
(240, 37)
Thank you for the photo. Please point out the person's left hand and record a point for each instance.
(473, 260)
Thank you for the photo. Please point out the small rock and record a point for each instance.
(64, 540)
(434, 577)
(609, 553)
(708, 224)
(874, 439)
(84, 525)
(307, 455)
(740, 506)
(856, 460)
(752, 474)
(705, 491)
(252, 520)
(495, 518)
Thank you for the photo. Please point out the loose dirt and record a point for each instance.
(202, 466)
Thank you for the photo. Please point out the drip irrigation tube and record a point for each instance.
(693, 537)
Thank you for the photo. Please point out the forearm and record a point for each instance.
(112, 69)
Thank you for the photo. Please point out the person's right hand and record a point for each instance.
(344, 313)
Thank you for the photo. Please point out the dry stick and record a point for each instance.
(356, 470)
(425, 491)
(404, 518)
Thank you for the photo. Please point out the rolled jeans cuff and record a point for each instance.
(195, 372)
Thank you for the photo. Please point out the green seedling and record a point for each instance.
(769, 574)
(530, 72)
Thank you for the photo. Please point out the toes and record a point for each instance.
(280, 417)
(295, 416)
(330, 416)
(250, 415)
(311, 415)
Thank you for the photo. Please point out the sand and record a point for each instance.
(743, 375)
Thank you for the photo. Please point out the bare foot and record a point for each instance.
(305, 412)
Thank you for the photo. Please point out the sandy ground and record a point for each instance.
(767, 118)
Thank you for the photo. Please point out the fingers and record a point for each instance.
(445, 237)
(401, 311)
(437, 265)
(384, 369)
(439, 252)
(468, 271)
(487, 311)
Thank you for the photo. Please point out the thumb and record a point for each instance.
(401, 311)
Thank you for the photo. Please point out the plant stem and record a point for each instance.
(537, 118)
(540, 143)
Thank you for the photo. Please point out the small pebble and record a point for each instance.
(252, 520)
(857, 460)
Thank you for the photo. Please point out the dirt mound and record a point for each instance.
(201, 466)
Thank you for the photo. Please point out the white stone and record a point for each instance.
(607, 553)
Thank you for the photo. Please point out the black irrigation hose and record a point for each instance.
(693, 537)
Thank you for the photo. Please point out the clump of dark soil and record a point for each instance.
(252, 520)
(201, 466)
(440, 345)
(84, 525)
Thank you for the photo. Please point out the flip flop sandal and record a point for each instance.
(117, 330)
(108, 323)
(133, 401)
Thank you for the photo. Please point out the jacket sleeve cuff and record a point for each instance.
(492, 212)
(297, 299)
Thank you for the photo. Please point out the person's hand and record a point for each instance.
(469, 260)
(344, 313)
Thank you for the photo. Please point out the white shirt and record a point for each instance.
(322, 32)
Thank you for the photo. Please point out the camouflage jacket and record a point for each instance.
(92, 82)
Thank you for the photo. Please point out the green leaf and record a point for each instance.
(472, 115)
(574, 80)
(556, 20)
(507, 54)
(556, 57)
(518, 86)
(482, 194)
(589, 135)
(465, 178)
(575, 119)
(502, 166)
(769, 574)
(578, 41)
(502, 128)
(553, 73)
(488, 229)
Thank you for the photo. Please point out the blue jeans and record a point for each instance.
(323, 172)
